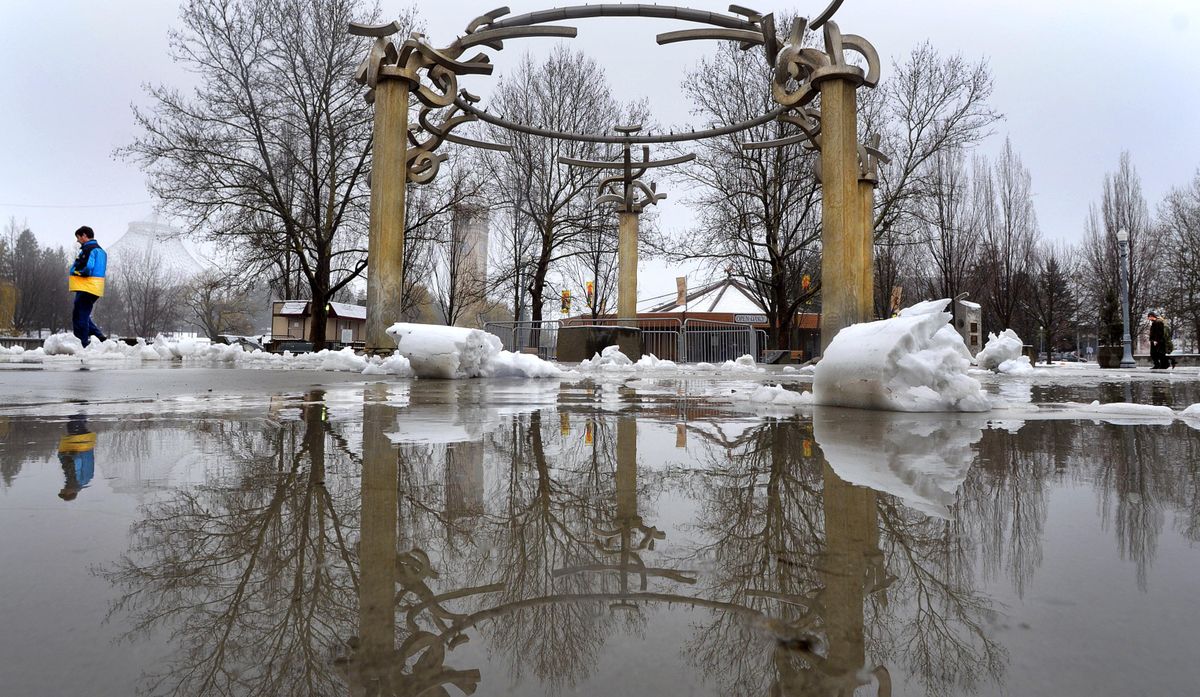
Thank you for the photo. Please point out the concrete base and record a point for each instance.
(1109, 356)
(578, 343)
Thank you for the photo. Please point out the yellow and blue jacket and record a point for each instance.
(87, 273)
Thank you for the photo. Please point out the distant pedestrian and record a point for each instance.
(1158, 342)
(87, 282)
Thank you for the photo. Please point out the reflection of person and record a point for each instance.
(76, 452)
(87, 282)
(1158, 341)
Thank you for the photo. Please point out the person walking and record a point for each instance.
(1158, 342)
(86, 281)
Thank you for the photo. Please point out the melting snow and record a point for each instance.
(913, 362)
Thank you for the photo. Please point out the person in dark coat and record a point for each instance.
(1158, 342)
(86, 281)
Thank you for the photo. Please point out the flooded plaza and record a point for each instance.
(266, 533)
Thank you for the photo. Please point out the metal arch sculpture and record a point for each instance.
(800, 74)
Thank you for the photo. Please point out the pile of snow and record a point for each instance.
(1016, 366)
(610, 357)
(1192, 412)
(612, 360)
(913, 362)
(778, 396)
(1131, 409)
(998, 350)
(920, 459)
(455, 353)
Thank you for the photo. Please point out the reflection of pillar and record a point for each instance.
(385, 244)
(464, 479)
(377, 546)
(842, 247)
(627, 504)
(851, 545)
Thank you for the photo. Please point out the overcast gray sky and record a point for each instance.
(1078, 81)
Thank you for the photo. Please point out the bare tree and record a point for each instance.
(145, 294)
(550, 205)
(596, 264)
(928, 104)
(1010, 231)
(1053, 302)
(1179, 223)
(758, 210)
(1122, 207)
(949, 227)
(269, 154)
(218, 303)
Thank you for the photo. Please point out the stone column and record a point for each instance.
(627, 266)
(866, 279)
(627, 269)
(385, 245)
(842, 263)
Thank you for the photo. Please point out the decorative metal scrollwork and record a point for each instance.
(627, 189)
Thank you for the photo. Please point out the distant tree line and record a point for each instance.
(38, 275)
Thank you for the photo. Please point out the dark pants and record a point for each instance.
(81, 317)
(1158, 356)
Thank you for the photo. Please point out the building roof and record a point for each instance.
(293, 307)
(348, 311)
(343, 310)
(726, 295)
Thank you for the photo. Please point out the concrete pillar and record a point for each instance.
(627, 265)
(385, 245)
(842, 263)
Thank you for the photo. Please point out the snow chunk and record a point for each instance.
(999, 349)
(1016, 366)
(913, 362)
(455, 353)
(392, 365)
(451, 353)
(1192, 412)
(62, 344)
(611, 356)
(778, 396)
(1131, 409)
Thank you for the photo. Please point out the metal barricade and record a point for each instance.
(707, 341)
(540, 338)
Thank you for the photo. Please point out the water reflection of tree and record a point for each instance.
(765, 515)
(252, 574)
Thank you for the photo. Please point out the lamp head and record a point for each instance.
(1122, 235)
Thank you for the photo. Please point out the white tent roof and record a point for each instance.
(726, 295)
(348, 311)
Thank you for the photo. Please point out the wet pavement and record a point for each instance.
(315, 534)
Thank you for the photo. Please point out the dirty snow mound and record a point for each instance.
(62, 344)
(913, 362)
(999, 349)
(1016, 366)
(610, 357)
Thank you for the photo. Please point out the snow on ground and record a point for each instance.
(913, 362)
(454, 353)
(1007, 346)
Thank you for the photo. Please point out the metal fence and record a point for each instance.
(527, 337)
(667, 338)
(706, 341)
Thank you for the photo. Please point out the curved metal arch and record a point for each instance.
(619, 140)
(685, 14)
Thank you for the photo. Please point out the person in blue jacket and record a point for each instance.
(86, 280)
(77, 455)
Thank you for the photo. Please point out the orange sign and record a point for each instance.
(566, 301)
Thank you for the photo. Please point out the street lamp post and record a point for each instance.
(1126, 342)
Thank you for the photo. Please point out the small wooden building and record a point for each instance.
(345, 325)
